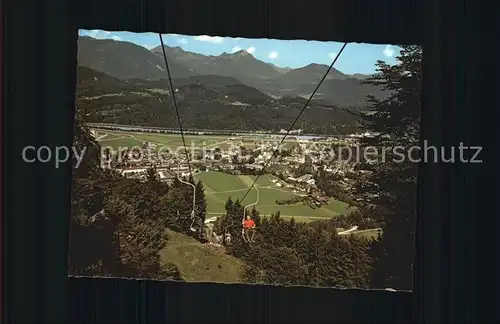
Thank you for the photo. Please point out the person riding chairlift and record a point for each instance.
(248, 226)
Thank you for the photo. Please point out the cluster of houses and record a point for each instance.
(259, 152)
(164, 174)
(306, 178)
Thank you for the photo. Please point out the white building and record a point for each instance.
(129, 172)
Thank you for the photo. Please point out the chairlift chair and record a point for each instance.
(226, 232)
(244, 231)
(193, 218)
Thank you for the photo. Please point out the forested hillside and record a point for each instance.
(226, 105)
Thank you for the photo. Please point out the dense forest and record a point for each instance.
(118, 225)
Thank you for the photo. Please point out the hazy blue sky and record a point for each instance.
(356, 58)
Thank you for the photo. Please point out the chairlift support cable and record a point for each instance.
(172, 90)
(175, 103)
(296, 119)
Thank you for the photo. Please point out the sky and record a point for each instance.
(356, 57)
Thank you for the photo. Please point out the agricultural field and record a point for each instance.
(220, 186)
(116, 139)
(129, 139)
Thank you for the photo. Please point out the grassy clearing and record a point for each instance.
(220, 186)
(220, 182)
(176, 140)
(116, 139)
(124, 142)
(200, 262)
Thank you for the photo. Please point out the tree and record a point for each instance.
(255, 215)
(231, 223)
(170, 272)
(201, 208)
(235, 159)
(117, 224)
(392, 185)
(140, 239)
(287, 252)
(152, 175)
(305, 168)
(178, 206)
(92, 248)
(281, 265)
(83, 140)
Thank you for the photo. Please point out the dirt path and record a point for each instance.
(245, 189)
(110, 139)
(352, 229)
(99, 138)
(281, 215)
(266, 187)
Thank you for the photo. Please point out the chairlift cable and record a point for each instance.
(193, 215)
(175, 103)
(296, 119)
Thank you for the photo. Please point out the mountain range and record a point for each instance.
(125, 61)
